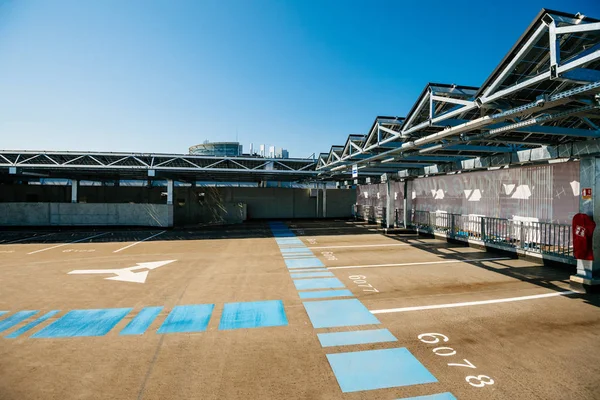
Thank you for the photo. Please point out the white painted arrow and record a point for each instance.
(126, 274)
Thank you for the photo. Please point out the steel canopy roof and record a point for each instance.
(110, 166)
(544, 92)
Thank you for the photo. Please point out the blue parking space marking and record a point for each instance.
(255, 314)
(32, 324)
(320, 294)
(356, 337)
(296, 250)
(15, 319)
(306, 263)
(192, 318)
(336, 313)
(439, 396)
(311, 274)
(142, 321)
(78, 323)
(318, 283)
(378, 369)
(314, 269)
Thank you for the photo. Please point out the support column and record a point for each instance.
(74, 191)
(324, 199)
(170, 187)
(317, 211)
(389, 206)
(406, 205)
(587, 278)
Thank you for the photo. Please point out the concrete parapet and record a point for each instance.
(82, 214)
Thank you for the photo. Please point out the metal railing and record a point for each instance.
(537, 237)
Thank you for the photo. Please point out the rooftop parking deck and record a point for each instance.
(300, 309)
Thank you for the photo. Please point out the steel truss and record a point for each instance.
(545, 92)
(144, 166)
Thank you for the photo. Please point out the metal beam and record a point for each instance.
(539, 32)
(560, 131)
(451, 100)
(486, 149)
(589, 27)
(582, 75)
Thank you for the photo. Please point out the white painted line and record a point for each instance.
(66, 244)
(421, 263)
(363, 245)
(471, 303)
(28, 238)
(136, 243)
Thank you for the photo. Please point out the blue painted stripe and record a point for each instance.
(311, 275)
(192, 318)
(439, 396)
(319, 294)
(309, 262)
(335, 313)
(255, 314)
(318, 283)
(378, 369)
(3, 312)
(294, 269)
(77, 323)
(356, 337)
(296, 250)
(142, 321)
(313, 269)
(15, 319)
(32, 324)
(298, 257)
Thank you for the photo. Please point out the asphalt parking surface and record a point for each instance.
(294, 310)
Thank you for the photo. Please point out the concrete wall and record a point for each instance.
(102, 205)
(81, 214)
(225, 204)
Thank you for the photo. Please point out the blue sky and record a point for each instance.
(159, 76)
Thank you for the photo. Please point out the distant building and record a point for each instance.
(230, 149)
(234, 149)
(281, 153)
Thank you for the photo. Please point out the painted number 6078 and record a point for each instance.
(444, 351)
